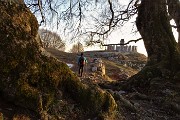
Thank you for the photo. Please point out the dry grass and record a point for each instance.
(113, 69)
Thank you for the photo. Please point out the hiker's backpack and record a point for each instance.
(81, 60)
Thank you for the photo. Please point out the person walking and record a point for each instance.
(81, 63)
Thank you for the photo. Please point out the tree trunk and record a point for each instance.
(154, 26)
(163, 53)
(32, 79)
(15, 1)
(174, 11)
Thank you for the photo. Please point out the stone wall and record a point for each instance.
(123, 59)
(122, 48)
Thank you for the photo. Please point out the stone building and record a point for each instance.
(121, 47)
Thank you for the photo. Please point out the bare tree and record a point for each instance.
(51, 39)
(159, 75)
(153, 23)
(76, 48)
(78, 20)
(112, 15)
(31, 76)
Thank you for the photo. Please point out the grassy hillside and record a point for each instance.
(113, 68)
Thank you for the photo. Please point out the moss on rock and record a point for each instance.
(30, 79)
(93, 99)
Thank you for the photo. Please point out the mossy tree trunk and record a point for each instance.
(154, 26)
(163, 52)
(29, 77)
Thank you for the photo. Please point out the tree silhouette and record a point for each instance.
(76, 48)
(51, 39)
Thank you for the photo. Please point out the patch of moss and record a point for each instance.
(30, 79)
(27, 96)
(93, 99)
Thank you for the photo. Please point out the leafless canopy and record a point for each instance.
(91, 20)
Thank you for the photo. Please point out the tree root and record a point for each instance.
(126, 103)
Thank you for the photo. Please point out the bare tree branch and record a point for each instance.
(71, 14)
(41, 10)
(124, 43)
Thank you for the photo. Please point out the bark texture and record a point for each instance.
(31, 78)
(154, 26)
(163, 63)
(174, 11)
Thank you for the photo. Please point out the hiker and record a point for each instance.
(81, 62)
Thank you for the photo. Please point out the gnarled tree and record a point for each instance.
(32, 79)
(51, 40)
(163, 54)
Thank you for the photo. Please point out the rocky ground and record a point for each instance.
(132, 105)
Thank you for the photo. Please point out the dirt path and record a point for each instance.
(131, 105)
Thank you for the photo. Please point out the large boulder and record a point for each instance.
(31, 79)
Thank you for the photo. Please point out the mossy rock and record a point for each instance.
(31, 79)
(93, 99)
